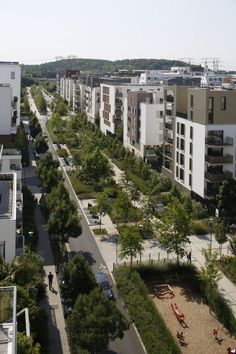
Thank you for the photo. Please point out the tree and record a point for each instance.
(40, 144)
(174, 228)
(25, 345)
(47, 170)
(95, 166)
(103, 206)
(131, 242)
(95, 321)
(232, 244)
(122, 208)
(220, 233)
(73, 123)
(226, 198)
(77, 278)
(210, 273)
(56, 122)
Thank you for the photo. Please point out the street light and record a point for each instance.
(211, 220)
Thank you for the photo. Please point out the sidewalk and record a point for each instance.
(58, 342)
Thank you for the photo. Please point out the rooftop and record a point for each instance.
(6, 196)
(9, 63)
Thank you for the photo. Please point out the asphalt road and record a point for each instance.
(85, 243)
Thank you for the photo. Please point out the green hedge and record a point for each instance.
(152, 329)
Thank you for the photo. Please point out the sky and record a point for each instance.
(37, 31)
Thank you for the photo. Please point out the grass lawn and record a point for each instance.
(99, 232)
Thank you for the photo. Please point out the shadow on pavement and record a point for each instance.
(89, 257)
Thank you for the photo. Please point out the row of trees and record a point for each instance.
(59, 210)
(39, 100)
(40, 143)
(95, 320)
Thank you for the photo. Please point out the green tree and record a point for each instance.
(210, 273)
(174, 228)
(94, 322)
(220, 233)
(57, 122)
(95, 166)
(232, 244)
(77, 278)
(131, 243)
(47, 170)
(226, 198)
(40, 144)
(122, 208)
(25, 345)
(73, 123)
(103, 206)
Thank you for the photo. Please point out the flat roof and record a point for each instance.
(9, 63)
(6, 196)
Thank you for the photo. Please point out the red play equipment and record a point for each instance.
(178, 314)
(162, 291)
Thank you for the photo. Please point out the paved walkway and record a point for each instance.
(58, 342)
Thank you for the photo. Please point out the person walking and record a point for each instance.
(189, 257)
(50, 280)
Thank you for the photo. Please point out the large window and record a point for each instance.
(2, 249)
(191, 100)
(13, 75)
(191, 133)
(223, 103)
(182, 129)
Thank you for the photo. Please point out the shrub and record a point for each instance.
(100, 232)
(199, 227)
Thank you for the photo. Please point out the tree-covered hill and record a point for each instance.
(97, 65)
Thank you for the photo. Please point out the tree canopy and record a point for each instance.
(227, 198)
(95, 321)
(131, 242)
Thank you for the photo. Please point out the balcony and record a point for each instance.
(217, 177)
(211, 193)
(218, 160)
(170, 98)
(169, 112)
(168, 153)
(216, 141)
(169, 140)
(168, 126)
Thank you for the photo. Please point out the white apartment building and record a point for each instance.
(7, 116)
(8, 216)
(143, 122)
(202, 153)
(10, 73)
(92, 102)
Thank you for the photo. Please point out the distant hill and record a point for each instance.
(97, 65)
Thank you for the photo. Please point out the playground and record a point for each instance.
(190, 322)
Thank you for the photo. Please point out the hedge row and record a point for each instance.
(151, 327)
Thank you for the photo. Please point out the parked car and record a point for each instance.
(104, 283)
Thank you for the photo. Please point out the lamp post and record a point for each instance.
(211, 223)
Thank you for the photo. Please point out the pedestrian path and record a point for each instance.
(58, 342)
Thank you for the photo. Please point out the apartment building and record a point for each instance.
(143, 122)
(8, 216)
(67, 85)
(10, 73)
(199, 138)
(113, 97)
(8, 117)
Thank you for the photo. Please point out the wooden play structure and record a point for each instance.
(163, 291)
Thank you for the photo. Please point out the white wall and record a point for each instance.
(5, 77)
(8, 234)
(151, 127)
(5, 109)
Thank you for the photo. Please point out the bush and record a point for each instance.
(152, 329)
(62, 152)
(199, 227)
(100, 232)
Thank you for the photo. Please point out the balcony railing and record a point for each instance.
(216, 141)
(219, 159)
(217, 177)
(169, 98)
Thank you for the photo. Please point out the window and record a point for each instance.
(12, 75)
(177, 143)
(181, 174)
(2, 249)
(223, 103)
(177, 172)
(182, 143)
(190, 164)
(190, 148)
(191, 133)
(178, 128)
(191, 100)
(161, 113)
(182, 129)
(177, 157)
(190, 180)
(191, 115)
(182, 160)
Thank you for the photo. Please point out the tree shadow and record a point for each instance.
(89, 257)
(190, 295)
